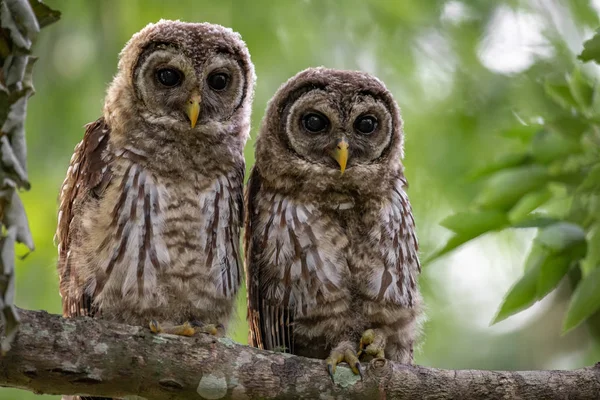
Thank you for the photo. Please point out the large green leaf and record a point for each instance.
(535, 220)
(585, 300)
(563, 237)
(554, 250)
(527, 204)
(469, 225)
(507, 187)
(475, 223)
(521, 296)
(552, 270)
(506, 161)
(591, 49)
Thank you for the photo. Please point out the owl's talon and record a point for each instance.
(209, 329)
(372, 343)
(347, 355)
(182, 330)
(359, 367)
(155, 326)
(331, 370)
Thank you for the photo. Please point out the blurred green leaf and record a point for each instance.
(535, 220)
(506, 161)
(581, 90)
(536, 257)
(506, 187)
(591, 182)
(592, 258)
(591, 49)
(554, 250)
(475, 223)
(521, 131)
(521, 296)
(560, 92)
(552, 270)
(468, 226)
(562, 237)
(548, 146)
(585, 300)
(527, 204)
(568, 125)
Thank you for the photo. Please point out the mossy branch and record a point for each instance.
(53, 355)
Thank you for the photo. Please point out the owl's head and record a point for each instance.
(332, 126)
(191, 78)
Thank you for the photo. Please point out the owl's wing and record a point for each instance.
(255, 336)
(270, 320)
(399, 249)
(87, 177)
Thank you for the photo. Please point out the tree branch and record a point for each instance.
(53, 355)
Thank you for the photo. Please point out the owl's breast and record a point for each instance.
(302, 252)
(165, 245)
(384, 255)
(201, 231)
(125, 248)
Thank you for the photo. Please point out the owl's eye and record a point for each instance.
(366, 124)
(315, 123)
(218, 81)
(168, 77)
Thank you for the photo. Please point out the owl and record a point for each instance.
(331, 251)
(152, 205)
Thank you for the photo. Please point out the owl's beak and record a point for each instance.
(340, 154)
(193, 109)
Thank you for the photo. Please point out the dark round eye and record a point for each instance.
(314, 122)
(366, 124)
(218, 81)
(168, 76)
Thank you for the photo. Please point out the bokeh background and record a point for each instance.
(461, 71)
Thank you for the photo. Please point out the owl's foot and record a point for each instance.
(343, 353)
(209, 329)
(186, 329)
(372, 343)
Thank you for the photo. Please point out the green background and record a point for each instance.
(461, 72)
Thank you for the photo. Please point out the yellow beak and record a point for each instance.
(193, 109)
(340, 154)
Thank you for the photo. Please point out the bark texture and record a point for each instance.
(53, 355)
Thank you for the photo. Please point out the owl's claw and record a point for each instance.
(372, 343)
(155, 326)
(330, 369)
(187, 328)
(209, 329)
(347, 355)
(182, 330)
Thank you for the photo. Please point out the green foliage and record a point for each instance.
(467, 226)
(585, 302)
(555, 249)
(591, 49)
(561, 165)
